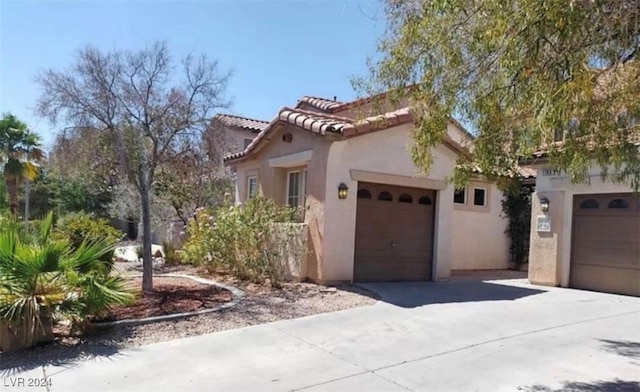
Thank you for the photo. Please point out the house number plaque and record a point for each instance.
(543, 224)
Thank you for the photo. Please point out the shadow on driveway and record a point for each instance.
(622, 347)
(55, 354)
(616, 385)
(414, 294)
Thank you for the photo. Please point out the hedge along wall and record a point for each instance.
(290, 244)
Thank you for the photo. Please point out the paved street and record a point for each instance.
(463, 335)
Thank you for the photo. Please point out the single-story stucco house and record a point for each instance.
(584, 236)
(370, 215)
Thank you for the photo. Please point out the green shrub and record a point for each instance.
(43, 278)
(240, 239)
(79, 228)
(516, 207)
(171, 254)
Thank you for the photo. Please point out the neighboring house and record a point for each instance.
(394, 224)
(589, 237)
(236, 132)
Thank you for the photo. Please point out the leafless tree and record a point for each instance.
(192, 181)
(150, 104)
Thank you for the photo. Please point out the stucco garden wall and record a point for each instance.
(272, 181)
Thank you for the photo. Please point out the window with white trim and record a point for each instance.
(460, 196)
(474, 198)
(479, 197)
(252, 187)
(293, 189)
(304, 187)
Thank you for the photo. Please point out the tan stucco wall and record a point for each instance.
(545, 248)
(382, 152)
(478, 237)
(550, 253)
(481, 242)
(236, 138)
(272, 181)
(233, 139)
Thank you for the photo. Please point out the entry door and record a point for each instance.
(394, 233)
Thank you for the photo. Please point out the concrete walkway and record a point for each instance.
(464, 335)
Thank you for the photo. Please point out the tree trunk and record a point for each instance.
(147, 263)
(12, 192)
(26, 201)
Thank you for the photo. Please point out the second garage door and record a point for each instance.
(394, 233)
(606, 243)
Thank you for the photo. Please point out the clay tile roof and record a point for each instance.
(524, 172)
(249, 124)
(527, 172)
(314, 122)
(542, 152)
(381, 121)
(324, 104)
(324, 123)
(235, 155)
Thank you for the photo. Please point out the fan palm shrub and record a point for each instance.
(44, 279)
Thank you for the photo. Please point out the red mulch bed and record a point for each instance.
(169, 296)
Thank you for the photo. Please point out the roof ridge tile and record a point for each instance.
(240, 117)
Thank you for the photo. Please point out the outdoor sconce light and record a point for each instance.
(342, 191)
(544, 204)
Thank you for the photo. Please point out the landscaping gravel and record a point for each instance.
(262, 304)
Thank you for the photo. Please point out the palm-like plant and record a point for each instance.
(44, 279)
(20, 152)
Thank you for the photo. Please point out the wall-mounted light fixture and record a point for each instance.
(544, 204)
(342, 191)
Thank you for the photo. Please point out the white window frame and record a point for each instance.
(466, 196)
(304, 187)
(484, 201)
(249, 179)
(289, 173)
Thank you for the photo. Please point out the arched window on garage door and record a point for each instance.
(425, 200)
(405, 198)
(364, 194)
(590, 204)
(385, 196)
(618, 203)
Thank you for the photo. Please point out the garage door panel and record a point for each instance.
(382, 273)
(607, 228)
(605, 249)
(394, 239)
(609, 255)
(399, 250)
(599, 278)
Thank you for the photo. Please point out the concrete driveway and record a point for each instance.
(462, 335)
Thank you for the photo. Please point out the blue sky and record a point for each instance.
(278, 50)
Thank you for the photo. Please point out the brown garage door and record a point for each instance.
(606, 243)
(394, 233)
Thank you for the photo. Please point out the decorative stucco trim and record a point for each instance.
(394, 179)
(292, 160)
